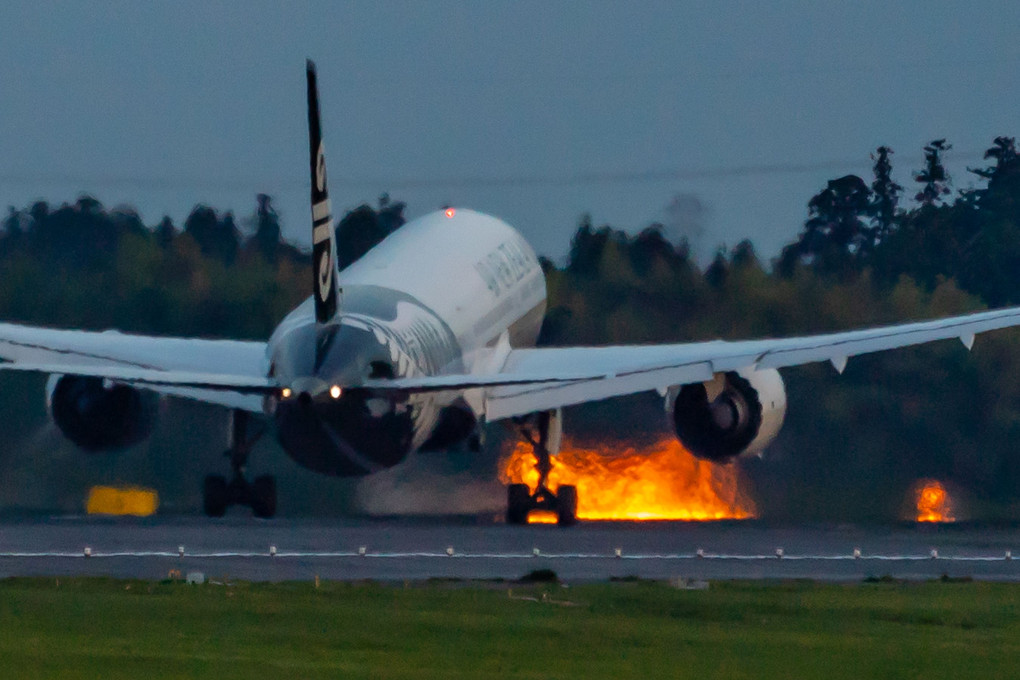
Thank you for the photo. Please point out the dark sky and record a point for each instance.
(535, 112)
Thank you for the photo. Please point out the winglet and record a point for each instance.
(324, 261)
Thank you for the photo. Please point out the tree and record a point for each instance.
(717, 272)
(934, 176)
(266, 239)
(648, 247)
(80, 235)
(886, 196)
(991, 258)
(615, 266)
(11, 232)
(834, 234)
(743, 257)
(165, 232)
(1001, 197)
(215, 237)
(364, 227)
(1003, 150)
(391, 214)
(586, 248)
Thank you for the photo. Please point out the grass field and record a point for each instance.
(97, 628)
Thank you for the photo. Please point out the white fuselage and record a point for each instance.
(439, 295)
(475, 272)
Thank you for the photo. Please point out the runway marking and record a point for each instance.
(443, 555)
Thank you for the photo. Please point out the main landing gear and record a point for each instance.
(520, 501)
(260, 495)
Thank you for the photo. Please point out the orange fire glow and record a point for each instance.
(619, 482)
(933, 502)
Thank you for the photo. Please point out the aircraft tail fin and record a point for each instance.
(324, 261)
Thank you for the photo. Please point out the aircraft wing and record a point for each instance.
(546, 378)
(226, 372)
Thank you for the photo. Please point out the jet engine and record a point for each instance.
(457, 423)
(733, 414)
(97, 415)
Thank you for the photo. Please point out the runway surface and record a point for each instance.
(400, 549)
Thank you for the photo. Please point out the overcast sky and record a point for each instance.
(535, 112)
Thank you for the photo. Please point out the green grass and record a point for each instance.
(92, 628)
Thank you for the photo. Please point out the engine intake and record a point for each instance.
(98, 416)
(731, 415)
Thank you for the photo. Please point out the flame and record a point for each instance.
(933, 502)
(620, 482)
(542, 517)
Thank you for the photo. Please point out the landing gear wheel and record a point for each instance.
(263, 497)
(214, 496)
(542, 431)
(218, 494)
(518, 503)
(566, 505)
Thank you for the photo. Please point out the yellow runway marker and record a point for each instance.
(132, 500)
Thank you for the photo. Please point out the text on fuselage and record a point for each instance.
(504, 266)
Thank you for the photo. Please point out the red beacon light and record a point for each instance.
(450, 212)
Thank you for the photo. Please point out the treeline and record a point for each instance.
(856, 236)
(83, 266)
(871, 251)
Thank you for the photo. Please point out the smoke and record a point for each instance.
(424, 485)
(685, 217)
(44, 437)
(34, 472)
(27, 490)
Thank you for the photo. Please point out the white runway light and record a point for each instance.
(448, 551)
(701, 555)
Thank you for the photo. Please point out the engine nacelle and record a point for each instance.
(98, 416)
(736, 413)
(456, 423)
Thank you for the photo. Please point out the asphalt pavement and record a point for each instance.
(394, 549)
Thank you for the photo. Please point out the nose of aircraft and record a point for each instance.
(323, 420)
(345, 434)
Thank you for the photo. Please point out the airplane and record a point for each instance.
(414, 347)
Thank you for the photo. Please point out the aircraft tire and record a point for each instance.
(214, 496)
(263, 497)
(518, 504)
(566, 505)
